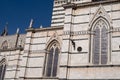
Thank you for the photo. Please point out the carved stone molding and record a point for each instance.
(115, 30)
(77, 32)
(35, 51)
(81, 32)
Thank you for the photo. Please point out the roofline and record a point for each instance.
(96, 3)
(76, 5)
(43, 29)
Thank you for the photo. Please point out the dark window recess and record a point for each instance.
(49, 63)
(104, 48)
(100, 44)
(96, 46)
(52, 62)
(55, 62)
(2, 70)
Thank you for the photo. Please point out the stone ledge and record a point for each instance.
(89, 66)
(96, 3)
(75, 5)
(55, 78)
(43, 29)
(11, 49)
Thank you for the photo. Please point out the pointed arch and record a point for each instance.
(100, 14)
(53, 42)
(54, 39)
(2, 68)
(4, 45)
(100, 39)
(52, 58)
(100, 43)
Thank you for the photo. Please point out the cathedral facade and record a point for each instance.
(82, 43)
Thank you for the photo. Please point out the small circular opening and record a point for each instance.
(79, 49)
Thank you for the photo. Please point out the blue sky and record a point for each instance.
(18, 13)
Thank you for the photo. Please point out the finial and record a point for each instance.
(31, 23)
(17, 32)
(5, 31)
(41, 26)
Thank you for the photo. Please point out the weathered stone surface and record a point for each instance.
(73, 25)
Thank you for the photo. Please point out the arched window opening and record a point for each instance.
(52, 61)
(2, 69)
(49, 62)
(5, 45)
(96, 46)
(100, 43)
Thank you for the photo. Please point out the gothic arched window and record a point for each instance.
(4, 45)
(2, 69)
(52, 61)
(100, 43)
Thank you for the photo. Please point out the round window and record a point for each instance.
(79, 49)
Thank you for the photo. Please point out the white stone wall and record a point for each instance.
(29, 63)
(35, 52)
(12, 61)
(79, 63)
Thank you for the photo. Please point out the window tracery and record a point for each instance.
(2, 69)
(52, 60)
(100, 43)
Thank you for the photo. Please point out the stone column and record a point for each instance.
(64, 58)
(24, 62)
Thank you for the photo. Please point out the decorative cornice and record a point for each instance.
(67, 33)
(83, 4)
(43, 29)
(88, 32)
(96, 3)
(81, 32)
(76, 32)
(60, 2)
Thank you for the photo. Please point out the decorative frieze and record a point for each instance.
(115, 30)
(61, 2)
(81, 32)
(87, 32)
(77, 32)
